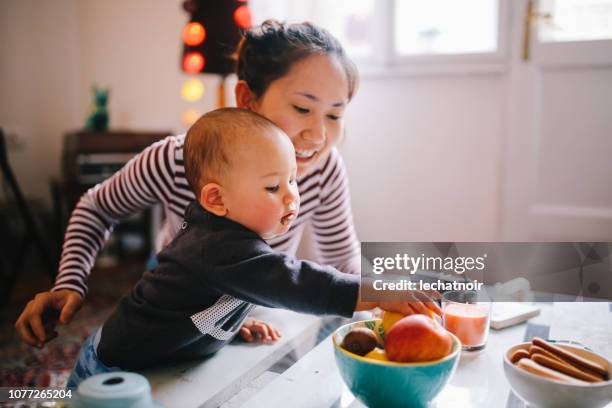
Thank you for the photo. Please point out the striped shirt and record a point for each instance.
(157, 175)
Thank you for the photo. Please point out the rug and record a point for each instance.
(25, 366)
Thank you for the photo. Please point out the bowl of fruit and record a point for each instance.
(396, 361)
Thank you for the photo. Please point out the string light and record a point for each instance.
(189, 117)
(206, 45)
(242, 17)
(193, 62)
(192, 90)
(194, 34)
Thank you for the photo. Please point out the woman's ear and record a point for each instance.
(211, 198)
(245, 98)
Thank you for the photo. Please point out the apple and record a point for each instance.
(417, 338)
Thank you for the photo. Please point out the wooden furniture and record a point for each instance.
(84, 150)
(88, 158)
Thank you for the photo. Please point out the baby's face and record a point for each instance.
(260, 188)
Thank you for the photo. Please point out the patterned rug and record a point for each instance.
(25, 366)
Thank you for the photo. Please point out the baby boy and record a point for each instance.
(242, 170)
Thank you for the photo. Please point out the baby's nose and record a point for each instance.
(289, 199)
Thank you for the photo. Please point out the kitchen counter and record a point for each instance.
(300, 370)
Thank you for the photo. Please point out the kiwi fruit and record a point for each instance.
(359, 340)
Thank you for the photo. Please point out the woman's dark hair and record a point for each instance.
(267, 52)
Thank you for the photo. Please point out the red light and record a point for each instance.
(242, 17)
(194, 34)
(193, 62)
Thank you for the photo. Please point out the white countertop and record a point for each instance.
(212, 381)
(251, 376)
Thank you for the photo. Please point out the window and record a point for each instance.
(351, 21)
(576, 20)
(445, 26)
(396, 32)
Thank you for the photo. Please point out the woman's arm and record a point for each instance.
(144, 181)
(332, 222)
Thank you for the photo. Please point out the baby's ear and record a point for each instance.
(211, 198)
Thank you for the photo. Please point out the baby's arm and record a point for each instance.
(251, 271)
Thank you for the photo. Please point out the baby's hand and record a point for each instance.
(256, 330)
(422, 302)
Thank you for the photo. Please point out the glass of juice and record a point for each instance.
(467, 317)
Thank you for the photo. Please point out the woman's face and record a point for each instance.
(308, 104)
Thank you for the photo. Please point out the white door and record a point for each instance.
(558, 148)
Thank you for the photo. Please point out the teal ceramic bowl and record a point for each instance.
(390, 384)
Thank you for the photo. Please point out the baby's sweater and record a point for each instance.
(208, 279)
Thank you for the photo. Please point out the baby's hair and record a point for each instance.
(267, 52)
(209, 140)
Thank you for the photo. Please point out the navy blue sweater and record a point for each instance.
(208, 279)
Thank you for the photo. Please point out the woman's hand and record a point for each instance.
(256, 330)
(36, 325)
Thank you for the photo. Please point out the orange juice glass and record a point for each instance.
(467, 318)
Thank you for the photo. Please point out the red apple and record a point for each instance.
(417, 338)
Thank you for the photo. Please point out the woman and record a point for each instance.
(296, 75)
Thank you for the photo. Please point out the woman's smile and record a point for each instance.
(304, 157)
(305, 154)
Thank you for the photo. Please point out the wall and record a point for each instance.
(38, 85)
(134, 47)
(57, 50)
(423, 152)
(424, 155)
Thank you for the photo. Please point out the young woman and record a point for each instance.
(296, 75)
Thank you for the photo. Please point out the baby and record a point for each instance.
(242, 170)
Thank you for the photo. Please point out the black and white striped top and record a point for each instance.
(157, 175)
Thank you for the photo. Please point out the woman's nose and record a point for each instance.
(315, 133)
